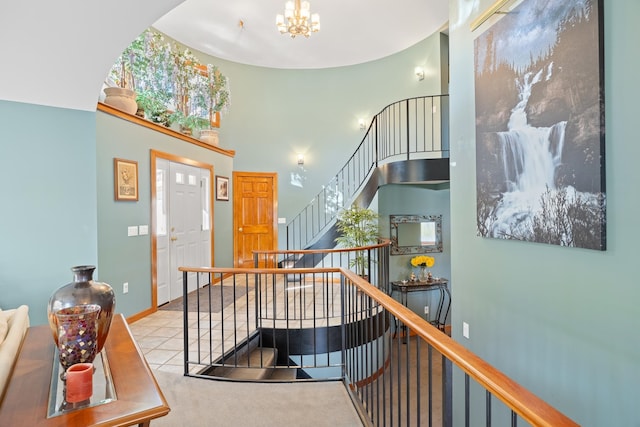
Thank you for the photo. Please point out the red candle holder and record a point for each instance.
(79, 382)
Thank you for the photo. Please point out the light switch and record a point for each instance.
(282, 220)
(132, 230)
(143, 230)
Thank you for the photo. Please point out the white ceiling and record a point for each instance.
(352, 31)
(78, 48)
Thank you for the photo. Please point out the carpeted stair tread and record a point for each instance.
(284, 374)
(260, 365)
(259, 357)
(243, 373)
(257, 366)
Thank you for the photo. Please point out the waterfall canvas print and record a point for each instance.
(539, 98)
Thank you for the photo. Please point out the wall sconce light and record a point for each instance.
(300, 159)
(362, 123)
(419, 73)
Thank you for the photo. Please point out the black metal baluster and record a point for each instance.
(466, 400)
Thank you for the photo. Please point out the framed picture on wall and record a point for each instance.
(125, 174)
(222, 188)
(540, 135)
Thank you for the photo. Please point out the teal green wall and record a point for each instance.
(271, 111)
(402, 199)
(275, 114)
(48, 211)
(563, 322)
(416, 199)
(128, 259)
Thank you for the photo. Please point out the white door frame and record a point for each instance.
(160, 222)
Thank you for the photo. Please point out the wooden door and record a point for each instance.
(255, 215)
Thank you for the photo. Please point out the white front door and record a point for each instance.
(183, 233)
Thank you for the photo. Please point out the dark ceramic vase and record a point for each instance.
(82, 291)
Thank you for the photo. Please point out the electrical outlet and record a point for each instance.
(465, 330)
(426, 310)
(125, 287)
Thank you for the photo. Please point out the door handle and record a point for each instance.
(173, 238)
(240, 229)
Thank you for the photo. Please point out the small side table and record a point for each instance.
(439, 284)
(139, 398)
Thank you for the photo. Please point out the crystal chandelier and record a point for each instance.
(298, 20)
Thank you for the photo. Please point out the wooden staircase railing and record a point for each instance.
(374, 356)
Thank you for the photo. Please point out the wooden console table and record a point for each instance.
(139, 399)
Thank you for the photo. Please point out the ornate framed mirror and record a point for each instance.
(415, 234)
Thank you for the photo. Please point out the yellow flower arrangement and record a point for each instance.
(423, 261)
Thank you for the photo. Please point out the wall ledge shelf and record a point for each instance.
(163, 129)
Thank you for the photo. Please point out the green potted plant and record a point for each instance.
(129, 63)
(188, 123)
(167, 84)
(151, 104)
(211, 96)
(216, 93)
(184, 76)
(151, 76)
(358, 227)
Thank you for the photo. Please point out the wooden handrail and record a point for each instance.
(526, 404)
(160, 128)
(381, 243)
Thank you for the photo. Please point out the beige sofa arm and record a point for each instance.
(17, 322)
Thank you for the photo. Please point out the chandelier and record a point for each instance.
(298, 20)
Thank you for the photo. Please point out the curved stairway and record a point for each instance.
(407, 142)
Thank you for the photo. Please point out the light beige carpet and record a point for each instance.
(199, 402)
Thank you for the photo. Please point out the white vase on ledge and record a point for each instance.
(121, 98)
(210, 136)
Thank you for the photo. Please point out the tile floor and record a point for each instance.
(160, 338)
